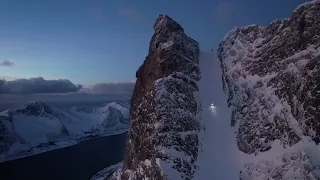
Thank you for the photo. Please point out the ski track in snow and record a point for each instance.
(220, 157)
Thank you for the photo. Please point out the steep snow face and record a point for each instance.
(90, 119)
(124, 111)
(38, 124)
(220, 156)
(107, 172)
(114, 117)
(271, 77)
(164, 137)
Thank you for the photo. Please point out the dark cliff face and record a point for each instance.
(272, 77)
(39, 109)
(163, 138)
(35, 109)
(7, 138)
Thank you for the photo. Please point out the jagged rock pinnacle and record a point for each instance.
(165, 22)
(163, 140)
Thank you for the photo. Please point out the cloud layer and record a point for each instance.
(110, 88)
(37, 85)
(6, 63)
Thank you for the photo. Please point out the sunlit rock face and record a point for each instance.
(163, 138)
(272, 75)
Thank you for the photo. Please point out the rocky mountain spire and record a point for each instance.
(163, 140)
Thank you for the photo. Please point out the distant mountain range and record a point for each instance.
(38, 127)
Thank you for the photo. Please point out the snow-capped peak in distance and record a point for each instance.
(38, 124)
(35, 109)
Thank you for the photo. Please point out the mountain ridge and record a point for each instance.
(37, 126)
(271, 76)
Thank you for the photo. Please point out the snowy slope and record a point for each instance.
(107, 172)
(219, 158)
(37, 126)
(271, 77)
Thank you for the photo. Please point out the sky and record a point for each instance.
(105, 41)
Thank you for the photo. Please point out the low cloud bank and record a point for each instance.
(37, 85)
(6, 63)
(110, 88)
(40, 85)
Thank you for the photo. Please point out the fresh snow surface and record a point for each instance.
(220, 156)
(36, 129)
(102, 174)
(4, 113)
(124, 111)
(308, 3)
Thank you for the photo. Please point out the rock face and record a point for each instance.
(272, 75)
(163, 138)
(6, 136)
(38, 109)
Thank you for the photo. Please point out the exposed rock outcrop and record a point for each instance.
(7, 138)
(38, 109)
(272, 75)
(163, 138)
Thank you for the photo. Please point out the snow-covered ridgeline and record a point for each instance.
(271, 77)
(38, 127)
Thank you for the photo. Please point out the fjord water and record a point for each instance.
(80, 161)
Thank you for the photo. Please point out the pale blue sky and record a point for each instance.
(96, 41)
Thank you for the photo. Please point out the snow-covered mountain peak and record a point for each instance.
(114, 117)
(38, 124)
(35, 109)
(164, 22)
(104, 109)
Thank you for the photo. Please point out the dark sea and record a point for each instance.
(79, 162)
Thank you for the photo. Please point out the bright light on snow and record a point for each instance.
(213, 109)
